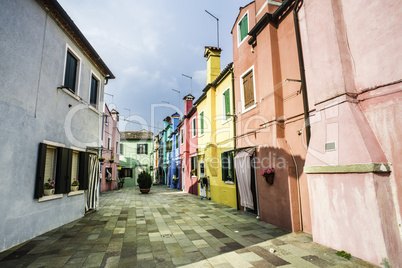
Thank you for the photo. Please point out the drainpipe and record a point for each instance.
(298, 188)
(234, 127)
(302, 72)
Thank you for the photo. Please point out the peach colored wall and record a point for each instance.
(354, 87)
(274, 60)
(110, 130)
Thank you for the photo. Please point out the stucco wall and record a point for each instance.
(32, 56)
(354, 86)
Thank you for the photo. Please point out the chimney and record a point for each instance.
(213, 55)
(188, 104)
(115, 115)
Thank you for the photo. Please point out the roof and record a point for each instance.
(67, 24)
(136, 135)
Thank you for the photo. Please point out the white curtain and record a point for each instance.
(93, 188)
(243, 175)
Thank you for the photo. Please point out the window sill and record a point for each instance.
(225, 121)
(50, 197)
(71, 94)
(93, 109)
(76, 193)
(229, 182)
(249, 108)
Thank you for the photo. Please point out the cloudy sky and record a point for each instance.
(148, 45)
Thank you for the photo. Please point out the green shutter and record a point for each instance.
(232, 169)
(227, 104)
(243, 27)
(202, 122)
(224, 162)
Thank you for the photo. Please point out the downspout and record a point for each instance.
(298, 188)
(302, 72)
(234, 128)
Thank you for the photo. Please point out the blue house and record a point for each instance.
(174, 155)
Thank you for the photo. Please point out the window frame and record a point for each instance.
(181, 136)
(202, 123)
(97, 79)
(140, 147)
(239, 40)
(251, 69)
(194, 132)
(70, 50)
(229, 169)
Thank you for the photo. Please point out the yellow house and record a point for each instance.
(215, 130)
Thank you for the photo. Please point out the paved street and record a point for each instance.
(169, 228)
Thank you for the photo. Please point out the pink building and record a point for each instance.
(269, 115)
(188, 146)
(352, 52)
(110, 151)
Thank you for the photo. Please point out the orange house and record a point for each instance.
(270, 114)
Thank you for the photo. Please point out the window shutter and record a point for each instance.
(94, 91)
(63, 170)
(202, 122)
(138, 149)
(71, 70)
(40, 171)
(83, 173)
(243, 27)
(146, 148)
(224, 163)
(227, 104)
(248, 88)
(232, 169)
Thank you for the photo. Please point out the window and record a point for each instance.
(60, 165)
(142, 148)
(117, 147)
(193, 165)
(242, 28)
(70, 76)
(227, 166)
(181, 136)
(194, 127)
(106, 119)
(202, 122)
(109, 142)
(177, 141)
(121, 148)
(226, 104)
(248, 89)
(74, 166)
(93, 100)
(50, 166)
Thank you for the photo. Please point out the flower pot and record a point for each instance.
(74, 188)
(174, 182)
(270, 178)
(48, 191)
(145, 191)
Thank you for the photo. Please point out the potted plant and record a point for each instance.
(193, 172)
(111, 160)
(101, 159)
(144, 182)
(75, 185)
(268, 174)
(49, 187)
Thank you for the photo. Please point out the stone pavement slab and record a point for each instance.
(169, 228)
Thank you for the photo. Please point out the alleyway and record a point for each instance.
(168, 228)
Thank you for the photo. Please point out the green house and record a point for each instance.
(136, 153)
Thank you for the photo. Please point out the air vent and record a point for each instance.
(330, 146)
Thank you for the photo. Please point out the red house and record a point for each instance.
(188, 146)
